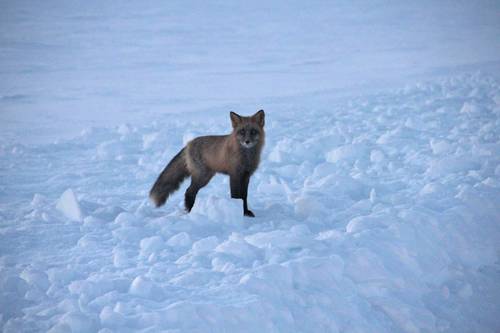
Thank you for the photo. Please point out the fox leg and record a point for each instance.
(235, 183)
(197, 182)
(244, 188)
(239, 190)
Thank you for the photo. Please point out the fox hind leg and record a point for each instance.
(197, 182)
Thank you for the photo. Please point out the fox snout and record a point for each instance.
(248, 144)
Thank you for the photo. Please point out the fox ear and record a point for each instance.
(259, 118)
(235, 118)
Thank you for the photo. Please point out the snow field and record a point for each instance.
(376, 213)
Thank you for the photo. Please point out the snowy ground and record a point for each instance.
(377, 199)
(379, 213)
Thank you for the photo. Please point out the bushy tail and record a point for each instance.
(170, 179)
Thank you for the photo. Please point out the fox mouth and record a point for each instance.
(248, 144)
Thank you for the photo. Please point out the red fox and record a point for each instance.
(236, 155)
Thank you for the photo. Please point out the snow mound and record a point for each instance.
(68, 205)
(219, 209)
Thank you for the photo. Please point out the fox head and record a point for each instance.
(249, 131)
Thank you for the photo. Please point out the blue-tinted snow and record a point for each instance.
(70, 64)
(376, 200)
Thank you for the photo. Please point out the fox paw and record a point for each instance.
(249, 213)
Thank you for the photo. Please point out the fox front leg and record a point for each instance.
(245, 181)
(239, 190)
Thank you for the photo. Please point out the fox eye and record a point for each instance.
(241, 132)
(253, 131)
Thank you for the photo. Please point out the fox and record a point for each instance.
(236, 154)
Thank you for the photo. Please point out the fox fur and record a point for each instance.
(236, 154)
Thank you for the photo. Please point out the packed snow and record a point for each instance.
(377, 207)
(378, 213)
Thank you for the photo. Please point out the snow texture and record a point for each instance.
(376, 210)
(354, 233)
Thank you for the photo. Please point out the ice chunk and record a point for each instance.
(295, 238)
(222, 265)
(92, 222)
(330, 235)
(110, 318)
(497, 170)
(107, 212)
(124, 129)
(111, 150)
(182, 239)
(59, 328)
(310, 272)
(143, 287)
(38, 201)
(323, 170)
(288, 170)
(439, 146)
(376, 156)
(237, 246)
(347, 153)
(434, 189)
(120, 258)
(35, 277)
(469, 108)
(275, 155)
(363, 223)
(452, 164)
(228, 211)
(273, 186)
(14, 284)
(365, 265)
(77, 322)
(308, 205)
(68, 205)
(148, 140)
(151, 245)
(126, 219)
(205, 245)
(373, 196)
(288, 150)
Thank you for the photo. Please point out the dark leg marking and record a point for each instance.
(239, 190)
(197, 182)
(244, 187)
(235, 184)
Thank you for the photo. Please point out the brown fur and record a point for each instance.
(236, 155)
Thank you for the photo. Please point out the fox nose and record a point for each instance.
(247, 141)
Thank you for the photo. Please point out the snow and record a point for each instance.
(143, 287)
(69, 206)
(399, 234)
(121, 63)
(376, 200)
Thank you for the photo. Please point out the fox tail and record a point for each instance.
(169, 179)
